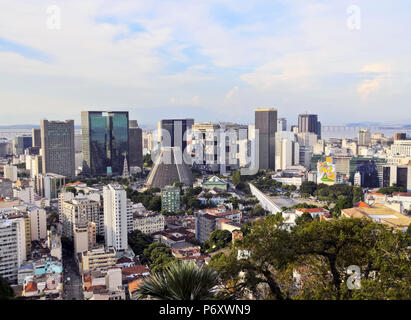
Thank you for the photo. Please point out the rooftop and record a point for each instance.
(379, 213)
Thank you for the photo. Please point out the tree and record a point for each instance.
(320, 252)
(342, 203)
(180, 281)
(159, 256)
(304, 218)
(72, 190)
(236, 179)
(392, 189)
(147, 162)
(218, 239)
(358, 194)
(308, 187)
(6, 292)
(258, 211)
(260, 274)
(155, 204)
(139, 241)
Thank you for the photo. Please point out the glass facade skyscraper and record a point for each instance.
(105, 142)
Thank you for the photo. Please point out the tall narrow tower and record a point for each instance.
(266, 124)
(126, 174)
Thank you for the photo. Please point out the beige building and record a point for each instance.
(148, 222)
(84, 235)
(380, 214)
(98, 258)
(38, 221)
(10, 172)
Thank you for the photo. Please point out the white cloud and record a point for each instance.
(378, 73)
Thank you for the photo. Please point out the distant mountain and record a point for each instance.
(26, 127)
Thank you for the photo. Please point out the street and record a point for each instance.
(72, 289)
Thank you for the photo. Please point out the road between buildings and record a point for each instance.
(72, 289)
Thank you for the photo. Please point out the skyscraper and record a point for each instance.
(266, 124)
(12, 247)
(135, 136)
(364, 137)
(172, 132)
(287, 150)
(105, 142)
(309, 123)
(115, 217)
(21, 143)
(57, 144)
(36, 137)
(281, 124)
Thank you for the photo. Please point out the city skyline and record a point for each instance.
(209, 61)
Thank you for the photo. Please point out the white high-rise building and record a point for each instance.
(12, 247)
(357, 179)
(219, 147)
(25, 194)
(10, 172)
(115, 217)
(287, 150)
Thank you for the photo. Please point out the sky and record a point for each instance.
(209, 60)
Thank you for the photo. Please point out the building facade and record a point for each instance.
(266, 124)
(105, 142)
(57, 144)
(135, 135)
(115, 217)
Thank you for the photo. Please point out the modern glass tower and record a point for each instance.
(105, 142)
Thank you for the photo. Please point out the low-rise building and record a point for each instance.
(206, 220)
(148, 222)
(100, 257)
(380, 214)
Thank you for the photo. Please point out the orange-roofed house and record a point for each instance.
(133, 287)
(30, 289)
(362, 204)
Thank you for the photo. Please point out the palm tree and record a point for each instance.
(180, 281)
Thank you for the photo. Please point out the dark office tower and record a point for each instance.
(266, 124)
(135, 138)
(176, 129)
(36, 137)
(319, 129)
(308, 123)
(57, 144)
(21, 143)
(104, 141)
(400, 136)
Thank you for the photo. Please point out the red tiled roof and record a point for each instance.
(312, 210)
(98, 287)
(362, 204)
(402, 194)
(31, 287)
(136, 270)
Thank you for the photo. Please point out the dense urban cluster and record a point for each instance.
(109, 211)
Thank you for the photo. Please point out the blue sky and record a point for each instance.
(211, 60)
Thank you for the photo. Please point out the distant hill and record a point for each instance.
(26, 127)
